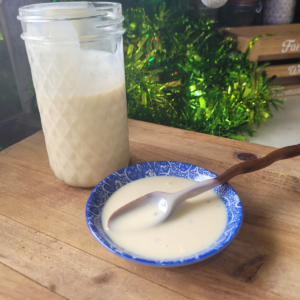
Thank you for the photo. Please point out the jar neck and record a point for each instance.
(74, 21)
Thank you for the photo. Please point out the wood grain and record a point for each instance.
(280, 42)
(16, 286)
(286, 90)
(68, 271)
(268, 45)
(283, 70)
(39, 212)
(257, 164)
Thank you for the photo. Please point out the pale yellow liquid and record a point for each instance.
(86, 137)
(195, 225)
(82, 101)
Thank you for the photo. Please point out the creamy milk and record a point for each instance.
(86, 137)
(195, 225)
(82, 101)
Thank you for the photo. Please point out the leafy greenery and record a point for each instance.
(181, 72)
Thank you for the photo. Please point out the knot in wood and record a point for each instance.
(246, 156)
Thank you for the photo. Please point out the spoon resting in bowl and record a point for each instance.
(159, 206)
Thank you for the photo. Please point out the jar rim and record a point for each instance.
(66, 11)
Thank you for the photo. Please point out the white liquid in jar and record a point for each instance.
(195, 225)
(88, 139)
(82, 101)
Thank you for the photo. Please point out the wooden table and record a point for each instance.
(47, 251)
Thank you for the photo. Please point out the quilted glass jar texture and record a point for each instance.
(75, 52)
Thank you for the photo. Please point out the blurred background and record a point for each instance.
(19, 117)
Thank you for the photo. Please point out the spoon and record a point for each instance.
(161, 205)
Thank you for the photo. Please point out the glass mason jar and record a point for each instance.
(75, 50)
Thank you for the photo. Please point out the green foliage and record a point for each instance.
(181, 72)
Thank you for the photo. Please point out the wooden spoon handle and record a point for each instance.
(260, 163)
(241, 168)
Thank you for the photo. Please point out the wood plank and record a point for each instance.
(204, 150)
(174, 279)
(70, 272)
(35, 159)
(285, 41)
(278, 45)
(250, 268)
(16, 286)
(271, 179)
(72, 230)
(283, 70)
(138, 128)
(286, 90)
(36, 141)
(217, 157)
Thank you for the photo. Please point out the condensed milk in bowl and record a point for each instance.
(75, 51)
(199, 227)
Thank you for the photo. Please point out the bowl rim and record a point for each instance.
(156, 262)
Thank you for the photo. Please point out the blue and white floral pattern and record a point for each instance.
(118, 179)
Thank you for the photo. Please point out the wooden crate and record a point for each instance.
(283, 44)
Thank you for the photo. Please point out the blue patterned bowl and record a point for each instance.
(114, 181)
